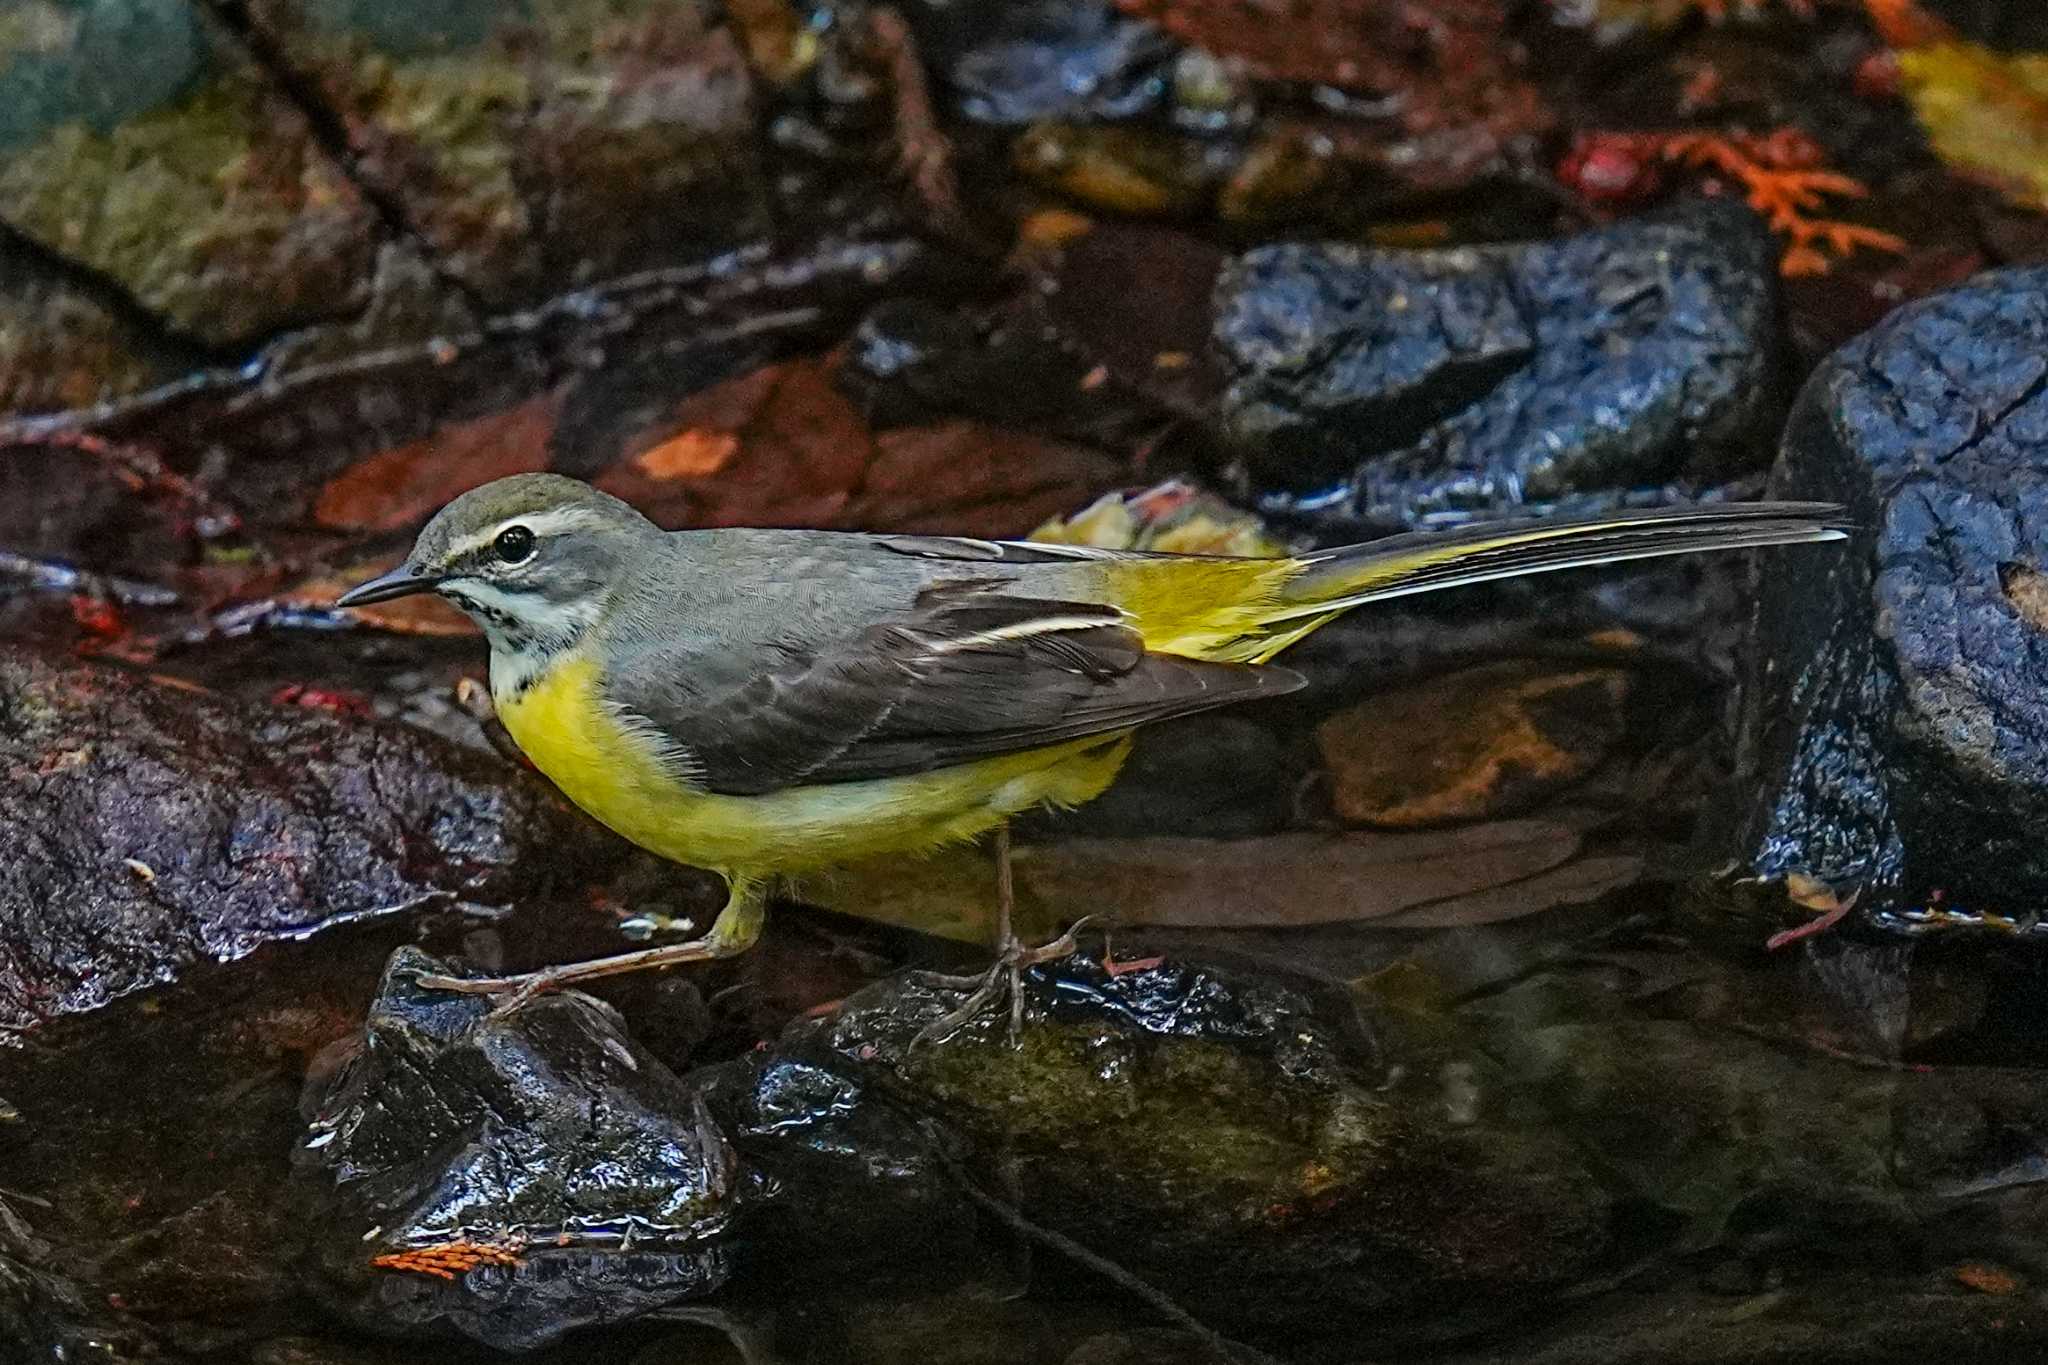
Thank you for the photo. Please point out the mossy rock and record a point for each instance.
(1264, 1156)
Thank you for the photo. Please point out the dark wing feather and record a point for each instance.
(968, 550)
(969, 673)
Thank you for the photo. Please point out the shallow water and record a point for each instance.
(1430, 1023)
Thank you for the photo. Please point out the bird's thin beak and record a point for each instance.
(402, 581)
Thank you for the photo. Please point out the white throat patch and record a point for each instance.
(524, 630)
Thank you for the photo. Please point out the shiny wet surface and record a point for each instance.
(1635, 966)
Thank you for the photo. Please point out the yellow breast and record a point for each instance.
(615, 774)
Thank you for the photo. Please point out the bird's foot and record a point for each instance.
(510, 993)
(513, 992)
(1006, 973)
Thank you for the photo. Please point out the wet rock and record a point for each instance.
(911, 359)
(858, 1201)
(1108, 347)
(1350, 113)
(1433, 106)
(1483, 743)
(510, 1176)
(1895, 728)
(182, 181)
(1426, 383)
(153, 1139)
(1256, 1154)
(535, 151)
(47, 1313)
(152, 828)
(1365, 47)
(56, 499)
(1021, 63)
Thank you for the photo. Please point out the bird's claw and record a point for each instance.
(511, 992)
(1013, 959)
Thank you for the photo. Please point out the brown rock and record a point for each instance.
(1474, 745)
(151, 828)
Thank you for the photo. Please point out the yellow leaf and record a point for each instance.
(1986, 113)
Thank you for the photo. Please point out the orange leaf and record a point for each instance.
(405, 485)
(692, 454)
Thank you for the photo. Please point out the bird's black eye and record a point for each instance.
(514, 544)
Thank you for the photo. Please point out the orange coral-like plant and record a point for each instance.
(1782, 176)
(448, 1259)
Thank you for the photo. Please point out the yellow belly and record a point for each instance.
(614, 774)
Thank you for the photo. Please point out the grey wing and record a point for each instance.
(970, 550)
(969, 672)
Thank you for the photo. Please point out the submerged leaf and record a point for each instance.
(1427, 879)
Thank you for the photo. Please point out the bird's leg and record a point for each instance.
(1012, 957)
(735, 930)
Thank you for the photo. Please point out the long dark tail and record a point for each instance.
(1336, 580)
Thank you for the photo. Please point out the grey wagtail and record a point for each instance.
(765, 703)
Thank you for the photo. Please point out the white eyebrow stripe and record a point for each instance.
(549, 523)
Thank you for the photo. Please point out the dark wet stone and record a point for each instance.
(1109, 346)
(1342, 113)
(151, 828)
(1391, 387)
(1253, 1153)
(45, 1315)
(912, 360)
(1045, 59)
(599, 1182)
(858, 1201)
(1895, 731)
(56, 499)
(152, 1146)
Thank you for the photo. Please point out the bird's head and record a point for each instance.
(531, 558)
